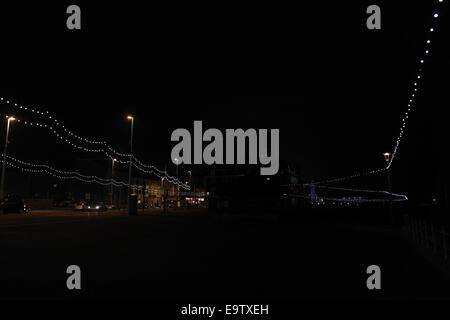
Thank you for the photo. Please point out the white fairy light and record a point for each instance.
(62, 174)
(103, 147)
(401, 133)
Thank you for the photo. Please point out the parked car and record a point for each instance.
(96, 207)
(14, 204)
(110, 206)
(80, 206)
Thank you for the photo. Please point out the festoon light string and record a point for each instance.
(101, 146)
(62, 174)
(411, 103)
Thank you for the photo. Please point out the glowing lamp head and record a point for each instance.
(11, 118)
(387, 156)
(130, 117)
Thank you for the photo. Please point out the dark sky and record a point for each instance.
(335, 89)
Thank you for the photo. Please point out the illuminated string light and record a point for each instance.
(406, 114)
(65, 175)
(103, 148)
(403, 120)
(43, 168)
(40, 166)
(360, 190)
(154, 169)
(361, 174)
(346, 199)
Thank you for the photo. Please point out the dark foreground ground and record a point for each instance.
(198, 257)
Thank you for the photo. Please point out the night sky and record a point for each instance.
(335, 89)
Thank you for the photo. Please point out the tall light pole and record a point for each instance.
(131, 155)
(112, 177)
(178, 185)
(387, 157)
(2, 187)
(190, 180)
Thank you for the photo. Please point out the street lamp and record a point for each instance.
(2, 187)
(112, 178)
(178, 185)
(131, 154)
(387, 157)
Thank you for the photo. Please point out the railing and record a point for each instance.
(429, 236)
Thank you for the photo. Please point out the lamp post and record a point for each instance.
(162, 188)
(190, 180)
(131, 155)
(387, 157)
(112, 178)
(178, 185)
(2, 187)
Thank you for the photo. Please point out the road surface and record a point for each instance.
(197, 256)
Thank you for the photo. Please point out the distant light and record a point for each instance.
(431, 30)
(428, 41)
(436, 15)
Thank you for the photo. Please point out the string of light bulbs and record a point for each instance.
(355, 200)
(106, 149)
(99, 146)
(362, 191)
(358, 175)
(415, 85)
(410, 104)
(65, 175)
(347, 189)
(61, 174)
(42, 167)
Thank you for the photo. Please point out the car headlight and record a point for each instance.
(89, 207)
(97, 207)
